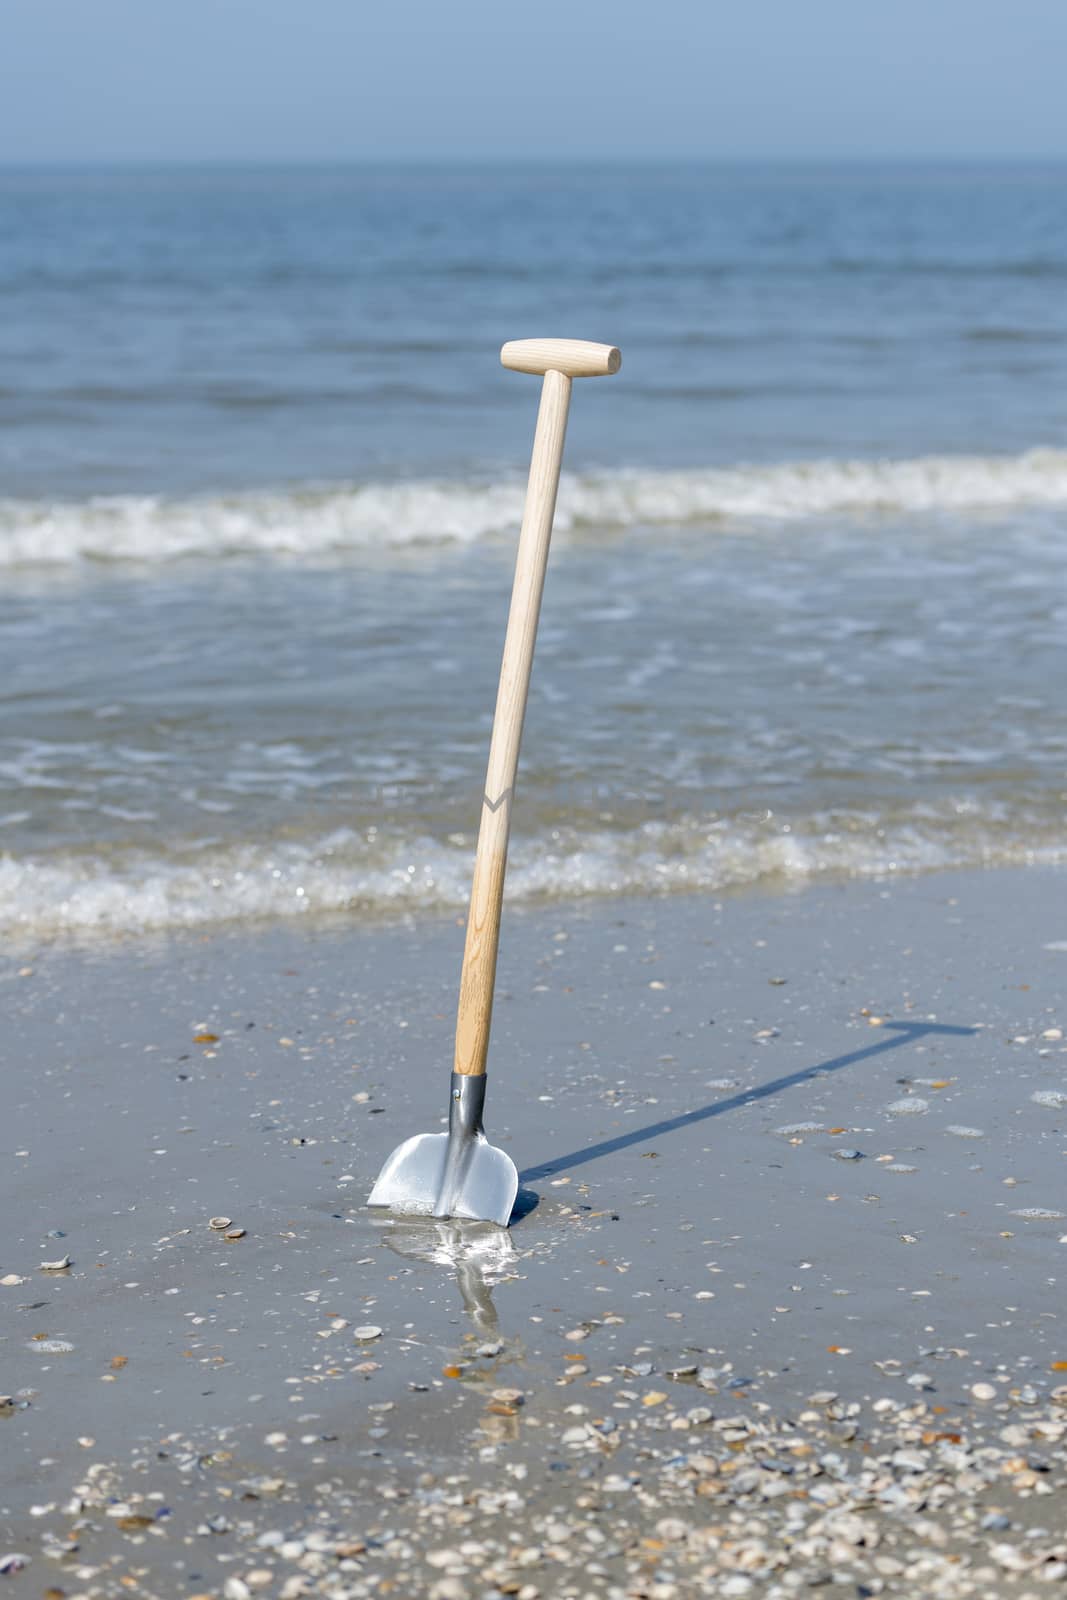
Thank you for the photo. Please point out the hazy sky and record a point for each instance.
(201, 80)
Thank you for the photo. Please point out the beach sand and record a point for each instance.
(772, 1148)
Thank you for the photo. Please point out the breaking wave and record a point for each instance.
(129, 892)
(374, 516)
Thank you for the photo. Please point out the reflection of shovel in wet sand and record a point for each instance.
(479, 1256)
(459, 1173)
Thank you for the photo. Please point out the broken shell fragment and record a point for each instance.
(219, 1223)
(235, 1233)
(56, 1266)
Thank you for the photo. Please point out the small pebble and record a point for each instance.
(911, 1106)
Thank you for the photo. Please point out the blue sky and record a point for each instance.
(238, 80)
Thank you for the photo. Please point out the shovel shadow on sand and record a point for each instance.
(904, 1033)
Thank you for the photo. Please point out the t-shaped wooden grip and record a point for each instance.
(575, 358)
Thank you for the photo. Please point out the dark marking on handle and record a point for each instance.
(494, 805)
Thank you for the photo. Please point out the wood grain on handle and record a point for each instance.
(576, 358)
(483, 923)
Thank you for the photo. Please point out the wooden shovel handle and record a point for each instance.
(559, 360)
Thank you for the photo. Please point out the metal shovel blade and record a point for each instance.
(453, 1174)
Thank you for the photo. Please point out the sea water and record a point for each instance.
(260, 481)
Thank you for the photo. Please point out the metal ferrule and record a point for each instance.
(466, 1098)
(465, 1102)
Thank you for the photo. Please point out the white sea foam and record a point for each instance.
(85, 893)
(316, 523)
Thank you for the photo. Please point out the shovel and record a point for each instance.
(459, 1173)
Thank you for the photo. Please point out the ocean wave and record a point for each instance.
(314, 523)
(87, 895)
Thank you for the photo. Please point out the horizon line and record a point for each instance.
(434, 159)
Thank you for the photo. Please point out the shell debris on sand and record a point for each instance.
(912, 1497)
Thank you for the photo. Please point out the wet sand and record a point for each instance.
(771, 1148)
